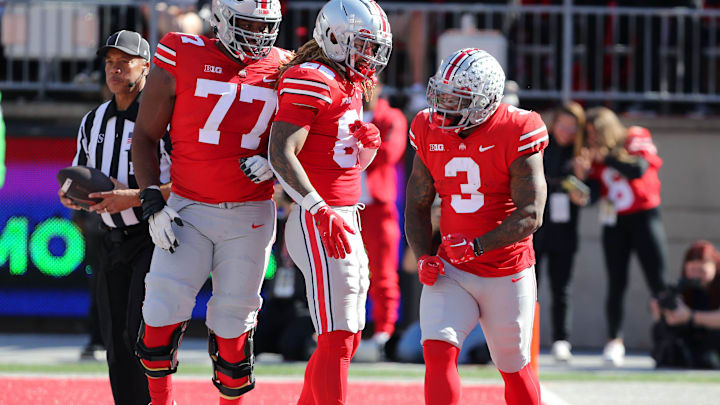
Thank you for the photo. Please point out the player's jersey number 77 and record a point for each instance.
(209, 133)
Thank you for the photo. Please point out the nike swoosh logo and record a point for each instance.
(481, 149)
(256, 226)
(515, 280)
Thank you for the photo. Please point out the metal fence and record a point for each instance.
(553, 52)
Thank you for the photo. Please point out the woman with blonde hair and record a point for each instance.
(624, 163)
(557, 239)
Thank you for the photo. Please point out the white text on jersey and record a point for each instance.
(213, 69)
(437, 147)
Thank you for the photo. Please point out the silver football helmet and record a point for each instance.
(356, 34)
(230, 19)
(466, 90)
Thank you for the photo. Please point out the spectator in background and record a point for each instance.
(380, 226)
(557, 239)
(2, 146)
(689, 335)
(622, 163)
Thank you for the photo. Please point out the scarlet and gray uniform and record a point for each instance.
(314, 96)
(221, 114)
(498, 288)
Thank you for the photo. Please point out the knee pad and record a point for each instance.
(241, 369)
(166, 355)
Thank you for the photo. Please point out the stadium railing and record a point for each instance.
(553, 52)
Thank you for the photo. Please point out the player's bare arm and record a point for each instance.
(529, 192)
(156, 108)
(286, 141)
(418, 203)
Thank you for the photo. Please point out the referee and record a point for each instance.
(126, 248)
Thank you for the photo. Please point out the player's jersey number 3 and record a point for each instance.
(209, 133)
(477, 199)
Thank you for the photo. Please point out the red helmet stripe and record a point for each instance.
(382, 15)
(453, 65)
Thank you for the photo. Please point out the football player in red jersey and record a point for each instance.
(484, 159)
(218, 98)
(318, 149)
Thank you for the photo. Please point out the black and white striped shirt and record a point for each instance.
(103, 142)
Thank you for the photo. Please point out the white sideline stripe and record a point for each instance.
(166, 49)
(413, 144)
(164, 59)
(307, 83)
(531, 133)
(551, 398)
(531, 144)
(307, 93)
(412, 135)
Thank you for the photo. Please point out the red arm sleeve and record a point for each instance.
(415, 135)
(531, 136)
(166, 52)
(303, 93)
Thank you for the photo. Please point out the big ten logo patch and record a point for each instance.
(437, 147)
(213, 69)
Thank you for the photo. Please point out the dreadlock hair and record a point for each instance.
(311, 51)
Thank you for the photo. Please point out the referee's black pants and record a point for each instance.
(124, 259)
(642, 232)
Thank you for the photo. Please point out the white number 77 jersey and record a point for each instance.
(472, 177)
(222, 113)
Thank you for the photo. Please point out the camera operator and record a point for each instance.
(688, 331)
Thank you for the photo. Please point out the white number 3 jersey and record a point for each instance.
(472, 177)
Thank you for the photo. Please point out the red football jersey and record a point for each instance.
(222, 113)
(472, 177)
(314, 96)
(634, 195)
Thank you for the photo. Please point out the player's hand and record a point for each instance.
(256, 168)
(366, 133)
(458, 247)
(332, 230)
(428, 269)
(160, 218)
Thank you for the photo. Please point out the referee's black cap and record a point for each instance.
(129, 42)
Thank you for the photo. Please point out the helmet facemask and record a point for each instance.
(356, 35)
(246, 37)
(452, 108)
(367, 54)
(466, 90)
